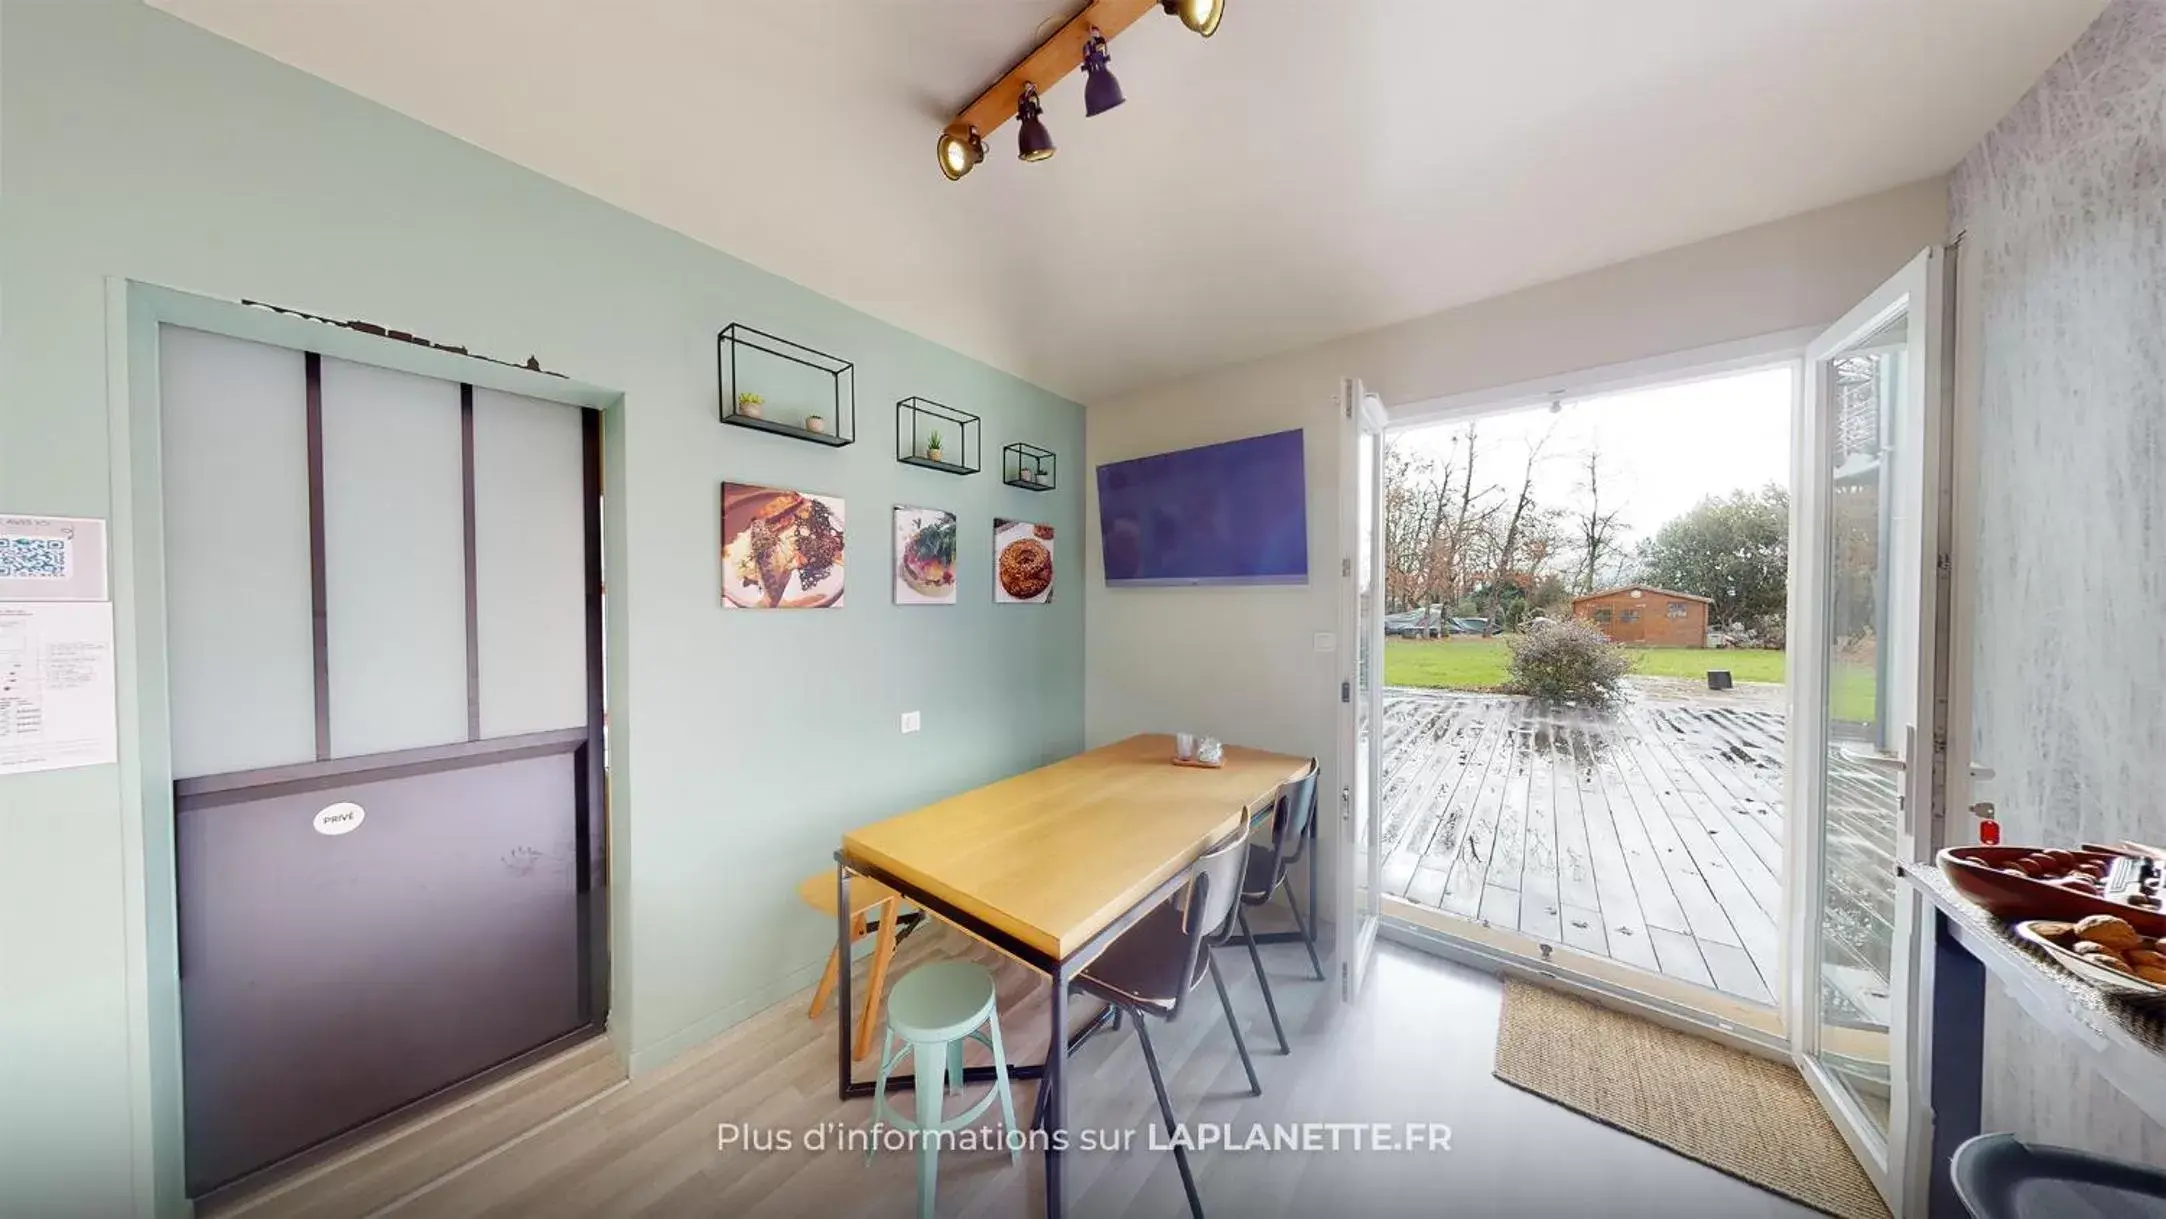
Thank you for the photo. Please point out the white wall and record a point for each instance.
(1240, 662)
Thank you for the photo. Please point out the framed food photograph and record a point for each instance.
(780, 549)
(1022, 563)
(924, 556)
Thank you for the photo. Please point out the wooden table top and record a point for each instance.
(1054, 855)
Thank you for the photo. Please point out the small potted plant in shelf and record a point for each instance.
(749, 404)
(932, 446)
(816, 423)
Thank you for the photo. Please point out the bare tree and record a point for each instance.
(1598, 531)
(1510, 541)
(1466, 518)
(1417, 505)
(1412, 500)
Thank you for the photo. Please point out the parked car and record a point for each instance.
(1469, 626)
(1414, 624)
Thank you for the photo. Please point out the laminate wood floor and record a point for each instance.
(1651, 835)
(1418, 1048)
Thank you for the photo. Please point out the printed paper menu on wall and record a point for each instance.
(56, 685)
(56, 645)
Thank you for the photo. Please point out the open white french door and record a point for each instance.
(1360, 886)
(1868, 672)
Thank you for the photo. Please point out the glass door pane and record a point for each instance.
(1860, 795)
(1865, 602)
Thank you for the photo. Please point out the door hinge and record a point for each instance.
(1346, 567)
(1346, 692)
(1944, 565)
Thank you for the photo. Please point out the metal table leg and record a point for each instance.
(848, 1010)
(1056, 1106)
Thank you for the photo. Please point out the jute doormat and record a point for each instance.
(1744, 1115)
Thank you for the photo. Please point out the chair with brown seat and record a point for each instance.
(1265, 876)
(1152, 967)
(867, 897)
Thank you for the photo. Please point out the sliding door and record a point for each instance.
(384, 672)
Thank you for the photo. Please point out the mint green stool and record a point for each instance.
(931, 1012)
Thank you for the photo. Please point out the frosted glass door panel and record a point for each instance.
(530, 564)
(234, 443)
(394, 559)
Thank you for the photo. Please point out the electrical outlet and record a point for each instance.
(910, 721)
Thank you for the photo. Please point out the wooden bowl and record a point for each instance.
(1975, 872)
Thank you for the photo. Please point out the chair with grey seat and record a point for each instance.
(1999, 1176)
(1153, 966)
(1265, 873)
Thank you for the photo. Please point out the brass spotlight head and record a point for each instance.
(959, 154)
(1201, 16)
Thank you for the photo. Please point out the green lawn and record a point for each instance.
(1851, 690)
(1478, 664)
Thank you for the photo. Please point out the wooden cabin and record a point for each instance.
(1642, 613)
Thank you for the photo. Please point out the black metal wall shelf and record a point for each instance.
(1029, 467)
(797, 421)
(921, 421)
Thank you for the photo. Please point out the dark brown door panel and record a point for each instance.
(328, 979)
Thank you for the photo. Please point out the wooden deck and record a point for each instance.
(1652, 836)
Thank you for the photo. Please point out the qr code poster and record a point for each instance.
(28, 558)
(52, 558)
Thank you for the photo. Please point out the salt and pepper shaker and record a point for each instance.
(1210, 752)
(1184, 746)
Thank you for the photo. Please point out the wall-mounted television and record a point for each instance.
(1232, 513)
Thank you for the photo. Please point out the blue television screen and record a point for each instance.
(1232, 513)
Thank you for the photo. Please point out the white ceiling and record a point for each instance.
(1316, 169)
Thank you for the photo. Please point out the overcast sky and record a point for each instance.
(1663, 449)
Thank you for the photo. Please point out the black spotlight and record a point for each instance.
(1100, 91)
(1201, 16)
(1033, 142)
(959, 154)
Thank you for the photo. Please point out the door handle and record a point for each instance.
(1873, 758)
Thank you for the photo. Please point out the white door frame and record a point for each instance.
(1358, 874)
(1783, 349)
(1898, 1162)
(134, 312)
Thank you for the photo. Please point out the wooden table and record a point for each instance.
(1050, 866)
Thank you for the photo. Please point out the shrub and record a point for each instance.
(1568, 662)
(1772, 630)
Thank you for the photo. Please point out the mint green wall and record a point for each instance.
(135, 146)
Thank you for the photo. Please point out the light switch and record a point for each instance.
(1326, 641)
(910, 721)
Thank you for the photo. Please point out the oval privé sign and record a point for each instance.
(341, 818)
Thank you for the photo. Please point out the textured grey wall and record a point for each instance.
(2063, 210)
